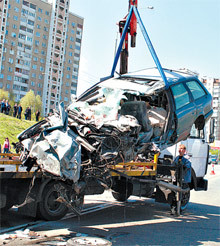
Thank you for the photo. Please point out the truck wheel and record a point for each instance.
(185, 198)
(121, 197)
(122, 190)
(48, 207)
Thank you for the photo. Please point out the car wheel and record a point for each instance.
(185, 198)
(48, 207)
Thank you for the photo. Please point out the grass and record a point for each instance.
(10, 127)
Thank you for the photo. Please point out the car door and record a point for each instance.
(200, 97)
(185, 110)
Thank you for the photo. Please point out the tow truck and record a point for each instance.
(50, 197)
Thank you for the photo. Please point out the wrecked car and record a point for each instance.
(126, 119)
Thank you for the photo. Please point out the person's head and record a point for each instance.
(182, 149)
(6, 139)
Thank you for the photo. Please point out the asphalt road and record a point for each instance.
(141, 221)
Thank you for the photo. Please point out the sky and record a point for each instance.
(185, 34)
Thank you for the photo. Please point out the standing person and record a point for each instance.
(6, 146)
(37, 115)
(19, 111)
(15, 110)
(29, 113)
(8, 107)
(26, 113)
(182, 159)
(3, 106)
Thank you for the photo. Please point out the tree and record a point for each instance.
(3, 94)
(30, 100)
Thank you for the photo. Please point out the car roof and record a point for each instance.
(145, 80)
(154, 74)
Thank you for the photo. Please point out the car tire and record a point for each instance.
(48, 207)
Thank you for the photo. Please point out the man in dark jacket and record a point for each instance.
(19, 111)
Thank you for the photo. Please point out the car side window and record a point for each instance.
(181, 96)
(196, 89)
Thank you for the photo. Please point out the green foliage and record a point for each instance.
(10, 127)
(215, 152)
(30, 100)
(3, 94)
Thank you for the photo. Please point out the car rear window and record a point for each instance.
(196, 89)
(180, 95)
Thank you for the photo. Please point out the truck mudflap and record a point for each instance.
(202, 184)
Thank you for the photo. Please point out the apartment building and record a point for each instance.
(213, 86)
(40, 44)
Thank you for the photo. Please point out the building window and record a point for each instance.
(37, 42)
(42, 60)
(71, 39)
(33, 75)
(32, 83)
(15, 17)
(10, 60)
(34, 67)
(47, 13)
(41, 69)
(44, 45)
(37, 34)
(30, 22)
(13, 34)
(45, 37)
(8, 86)
(66, 99)
(36, 51)
(40, 10)
(72, 31)
(35, 58)
(68, 68)
(68, 76)
(38, 26)
(73, 24)
(14, 26)
(39, 18)
(77, 47)
(33, 6)
(29, 39)
(9, 77)
(16, 9)
(46, 21)
(29, 30)
(43, 52)
(22, 36)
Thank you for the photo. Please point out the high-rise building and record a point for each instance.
(213, 86)
(40, 44)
